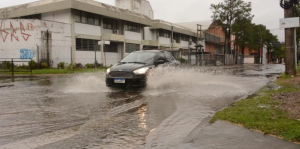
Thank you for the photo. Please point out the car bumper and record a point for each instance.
(138, 80)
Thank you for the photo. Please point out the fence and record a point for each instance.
(10, 66)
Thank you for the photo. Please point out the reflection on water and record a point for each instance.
(160, 116)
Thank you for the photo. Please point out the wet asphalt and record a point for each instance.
(79, 111)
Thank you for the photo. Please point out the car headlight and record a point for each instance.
(141, 71)
(108, 71)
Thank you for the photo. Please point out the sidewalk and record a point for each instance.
(222, 135)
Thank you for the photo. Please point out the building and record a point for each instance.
(70, 30)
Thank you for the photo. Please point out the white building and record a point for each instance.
(69, 31)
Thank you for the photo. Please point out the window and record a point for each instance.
(86, 18)
(132, 47)
(83, 17)
(185, 37)
(91, 18)
(109, 23)
(134, 27)
(35, 16)
(194, 39)
(164, 33)
(87, 45)
(177, 37)
(113, 47)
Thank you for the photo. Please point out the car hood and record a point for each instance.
(128, 66)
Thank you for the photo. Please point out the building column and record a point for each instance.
(73, 42)
(102, 42)
(142, 37)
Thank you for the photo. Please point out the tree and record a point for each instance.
(279, 52)
(228, 12)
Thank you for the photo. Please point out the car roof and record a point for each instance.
(152, 51)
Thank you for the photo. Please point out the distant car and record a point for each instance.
(134, 68)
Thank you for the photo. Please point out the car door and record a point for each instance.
(171, 61)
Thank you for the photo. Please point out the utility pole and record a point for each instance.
(172, 38)
(290, 68)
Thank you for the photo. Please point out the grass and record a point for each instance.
(57, 71)
(264, 114)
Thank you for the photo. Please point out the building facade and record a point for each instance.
(76, 31)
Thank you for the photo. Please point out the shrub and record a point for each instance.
(32, 64)
(71, 66)
(6, 65)
(61, 65)
(78, 65)
(44, 65)
(89, 65)
(182, 60)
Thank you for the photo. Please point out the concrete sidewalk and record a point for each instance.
(222, 135)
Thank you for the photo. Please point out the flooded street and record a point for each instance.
(79, 111)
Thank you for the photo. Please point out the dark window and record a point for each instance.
(169, 57)
(113, 47)
(194, 39)
(83, 17)
(164, 33)
(134, 27)
(132, 47)
(77, 16)
(86, 18)
(35, 16)
(177, 37)
(110, 24)
(87, 45)
(185, 37)
(91, 18)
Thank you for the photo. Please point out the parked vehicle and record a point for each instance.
(134, 68)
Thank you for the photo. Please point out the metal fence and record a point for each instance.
(8, 66)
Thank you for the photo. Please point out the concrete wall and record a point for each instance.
(85, 57)
(86, 29)
(133, 36)
(185, 44)
(27, 39)
(138, 6)
(63, 16)
(164, 40)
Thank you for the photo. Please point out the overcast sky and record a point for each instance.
(267, 12)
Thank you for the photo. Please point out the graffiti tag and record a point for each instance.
(27, 54)
(13, 34)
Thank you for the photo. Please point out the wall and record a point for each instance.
(185, 44)
(63, 16)
(138, 6)
(27, 39)
(86, 29)
(85, 57)
(264, 54)
(163, 40)
(133, 36)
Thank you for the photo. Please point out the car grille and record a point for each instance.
(117, 74)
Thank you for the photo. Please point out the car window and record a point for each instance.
(143, 57)
(169, 57)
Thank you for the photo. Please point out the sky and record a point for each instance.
(266, 12)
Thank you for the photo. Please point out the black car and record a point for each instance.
(133, 69)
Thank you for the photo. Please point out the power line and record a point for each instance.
(266, 14)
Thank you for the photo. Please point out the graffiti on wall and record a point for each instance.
(13, 36)
(27, 54)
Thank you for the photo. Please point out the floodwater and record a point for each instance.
(79, 111)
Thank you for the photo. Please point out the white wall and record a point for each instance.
(164, 40)
(85, 57)
(138, 6)
(149, 34)
(87, 29)
(107, 31)
(58, 16)
(185, 44)
(26, 39)
(133, 36)
(265, 59)
(249, 60)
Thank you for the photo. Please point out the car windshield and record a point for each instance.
(139, 57)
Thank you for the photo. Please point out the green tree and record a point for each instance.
(228, 12)
(279, 51)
